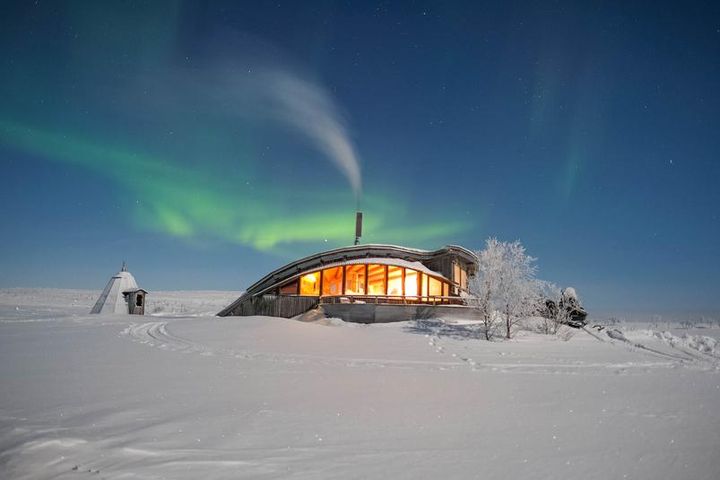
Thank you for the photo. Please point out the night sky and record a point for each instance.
(209, 144)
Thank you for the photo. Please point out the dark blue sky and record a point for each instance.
(157, 133)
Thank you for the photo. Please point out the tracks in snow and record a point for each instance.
(678, 354)
(156, 334)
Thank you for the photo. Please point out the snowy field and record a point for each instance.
(182, 394)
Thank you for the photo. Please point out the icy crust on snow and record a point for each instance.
(186, 397)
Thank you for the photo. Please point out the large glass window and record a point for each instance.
(332, 281)
(370, 279)
(434, 287)
(310, 284)
(411, 283)
(376, 279)
(395, 280)
(355, 280)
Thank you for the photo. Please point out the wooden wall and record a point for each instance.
(132, 303)
(275, 306)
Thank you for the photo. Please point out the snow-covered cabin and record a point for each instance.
(121, 295)
(365, 283)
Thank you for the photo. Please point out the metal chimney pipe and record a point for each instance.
(358, 227)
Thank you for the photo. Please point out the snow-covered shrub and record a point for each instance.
(552, 318)
(505, 289)
(484, 285)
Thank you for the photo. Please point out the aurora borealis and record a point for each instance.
(215, 142)
(184, 203)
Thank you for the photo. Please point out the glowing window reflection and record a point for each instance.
(332, 281)
(411, 283)
(434, 287)
(395, 280)
(355, 280)
(376, 279)
(310, 284)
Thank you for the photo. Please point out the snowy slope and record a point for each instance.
(182, 396)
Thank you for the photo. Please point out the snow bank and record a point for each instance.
(701, 343)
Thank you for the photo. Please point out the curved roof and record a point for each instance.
(354, 253)
(398, 262)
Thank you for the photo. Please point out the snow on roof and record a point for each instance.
(112, 300)
(133, 290)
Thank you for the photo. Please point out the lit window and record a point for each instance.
(355, 280)
(411, 283)
(395, 280)
(332, 281)
(425, 281)
(435, 287)
(310, 284)
(376, 279)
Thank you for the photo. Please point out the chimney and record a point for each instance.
(358, 227)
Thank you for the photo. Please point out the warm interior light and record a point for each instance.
(435, 287)
(332, 281)
(395, 281)
(310, 284)
(381, 280)
(376, 279)
(355, 280)
(411, 282)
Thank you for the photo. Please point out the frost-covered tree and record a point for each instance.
(518, 292)
(485, 284)
(504, 289)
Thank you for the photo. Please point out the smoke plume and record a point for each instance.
(310, 110)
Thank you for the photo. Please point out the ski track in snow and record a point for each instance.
(679, 355)
(697, 346)
(156, 334)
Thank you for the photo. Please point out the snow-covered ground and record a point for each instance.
(182, 394)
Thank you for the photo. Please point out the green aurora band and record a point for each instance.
(201, 203)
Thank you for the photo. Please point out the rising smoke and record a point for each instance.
(311, 111)
(251, 81)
